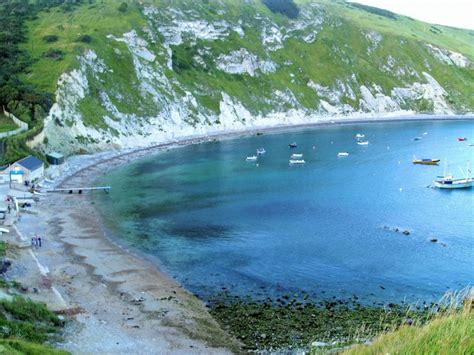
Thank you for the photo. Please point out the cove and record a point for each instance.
(325, 229)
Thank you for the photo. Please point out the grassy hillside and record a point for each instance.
(445, 335)
(313, 57)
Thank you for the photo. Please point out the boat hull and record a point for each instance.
(432, 162)
(460, 184)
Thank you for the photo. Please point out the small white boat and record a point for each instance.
(261, 151)
(449, 182)
(297, 161)
(359, 135)
(251, 158)
(363, 143)
(296, 156)
(343, 154)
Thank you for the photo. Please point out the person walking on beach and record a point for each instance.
(39, 241)
(33, 242)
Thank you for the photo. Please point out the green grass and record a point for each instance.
(3, 248)
(22, 318)
(452, 334)
(338, 53)
(6, 124)
(96, 20)
(21, 347)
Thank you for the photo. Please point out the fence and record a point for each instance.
(22, 126)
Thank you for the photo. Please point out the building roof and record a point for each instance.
(30, 162)
(55, 155)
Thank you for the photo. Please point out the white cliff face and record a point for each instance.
(449, 57)
(431, 91)
(177, 108)
(374, 39)
(244, 62)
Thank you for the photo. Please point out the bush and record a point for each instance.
(123, 7)
(84, 39)
(54, 53)
(284, 7)
(50, 38)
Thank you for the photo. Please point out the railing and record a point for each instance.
(22, 126)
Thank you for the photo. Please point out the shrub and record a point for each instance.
(123, 7)
(84, 39)
(54, 53)
(284, 7)
(50, 38)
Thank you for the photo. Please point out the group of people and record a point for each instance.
(36, 242)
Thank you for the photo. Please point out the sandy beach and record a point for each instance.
(119, 302)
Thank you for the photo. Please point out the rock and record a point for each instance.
(319, 344)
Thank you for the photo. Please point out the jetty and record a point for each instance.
(79, 190)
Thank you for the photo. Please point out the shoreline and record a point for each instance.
(140, 305)
(140, 151)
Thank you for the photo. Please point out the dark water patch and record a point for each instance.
(199, 232)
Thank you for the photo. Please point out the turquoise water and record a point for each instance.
(216, 222)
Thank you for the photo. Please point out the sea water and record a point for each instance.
(328, 228)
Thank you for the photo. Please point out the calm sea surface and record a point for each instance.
(214, 221)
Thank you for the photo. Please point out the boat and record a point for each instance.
(425, 161)
(462, 139)
(417, 138)
(292, 145)
(359, 136)
(297, 161)
(449, 182)
(363, 143)
(251, 158)
(342, 154)
(296, 156)
(261, 151)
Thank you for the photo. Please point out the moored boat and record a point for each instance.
(251, 158)
(417, 138)
(342, 154)
(359, 136)
(261, 151)
(296, 156)
(292, 145)
(425, 161)
(297, 161)
(462, 139)
(363, 143)
(449, 182)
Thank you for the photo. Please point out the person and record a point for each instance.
(33, 242)
(39, 241)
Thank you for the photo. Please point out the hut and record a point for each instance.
(55, 158)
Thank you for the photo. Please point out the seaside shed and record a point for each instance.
(29, 168)
(55, 158)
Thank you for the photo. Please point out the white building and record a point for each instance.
(26, 169)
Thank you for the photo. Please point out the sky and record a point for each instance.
(455, 13)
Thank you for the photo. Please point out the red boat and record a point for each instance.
(462, 139)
